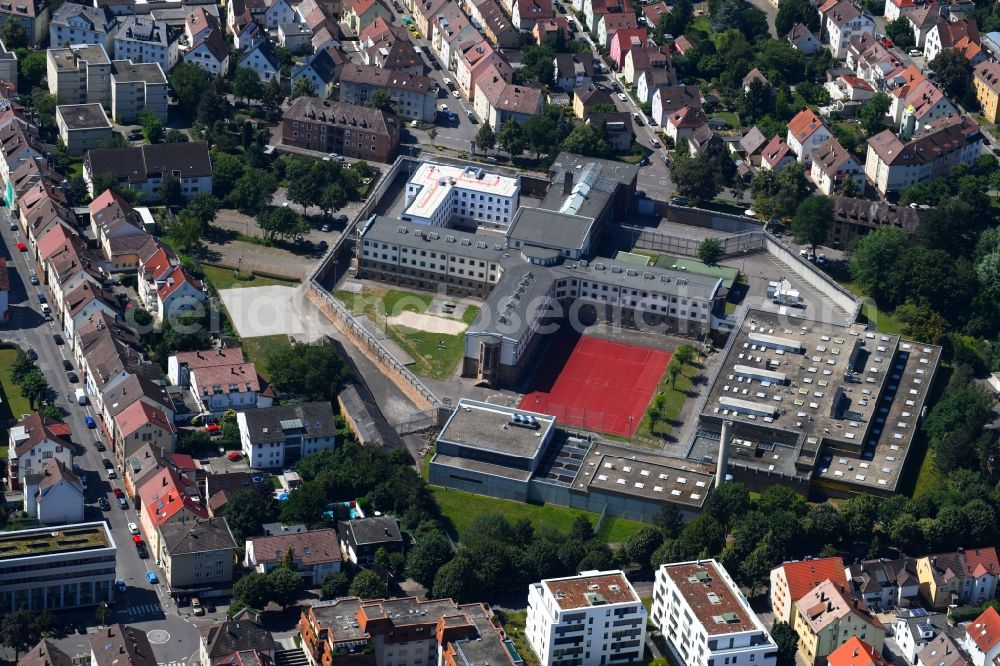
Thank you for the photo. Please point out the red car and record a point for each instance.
(212, 428)
(119, 493)
(136, 539)
(887, 43)
(21, 247)
(233, 456)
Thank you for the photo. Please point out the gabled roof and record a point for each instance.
(828, 602)
(46, 653)
(985, 630)
(775, 151)
(591, 95)
(55, 473)
(924, 17)
(86, 293)
(831, 158)
(34, 429)
(628, 38)
(655, 11)
(166, 494)
(239, 634)
(687, 117)
(946, 136)
(677, 97)
(175, 278)
(806, 575)
(138, 415)
(308, 548)
(981, 562)
(755, 75)
(942, 650)
(799, 33)
(856, 652)
(753, 141)
(203, 536)
(121, 644)
(952, 32)
(615, 22)
(534, 9)
(804, 125)
(134, 388)
(215, 43)
(57, 239)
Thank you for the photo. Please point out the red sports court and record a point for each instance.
(597, 384)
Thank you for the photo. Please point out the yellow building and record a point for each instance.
(967, 577)
(986, 78)
(827, 616)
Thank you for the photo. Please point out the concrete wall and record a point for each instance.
(686, 246)
(815, 277)
(707, 219)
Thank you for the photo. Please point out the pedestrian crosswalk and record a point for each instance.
(144, 609)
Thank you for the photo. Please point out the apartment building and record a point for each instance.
(279, 436)
(136, 88)
(966, 577)
(57, 568)
(31, 442)
(413, 95)
(842, 23)
(982, 638)
(143, 168)
(333, 127)
(986, 78)
(74, 23)
(793, 580)
(8, 66)
(79, 74)
(706, 619)
(82, 127)
(143, 39)
(806, 132)
(826, 615)
(885, 583)
(441, 196)
(832, 165)
(593, 618)
(497, 101)
(893, 164)
(197, 554)
(315, 554)
(219, 380)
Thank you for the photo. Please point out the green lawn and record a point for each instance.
(461, 507)
(885, 322)
(12, 405)
(225, 278)
(256, 350)
(514, 622)
(929, 477)
(730, 117)
(676, 395)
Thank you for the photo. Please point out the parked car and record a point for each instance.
(89, 420)
(103, 503)
(455, 94)
(107, 463)
(623, 97)
(443, 108)
(132, 527)
(122, 502)
(33, 279)
(233, 456)
(67, 365)
(327, 227)
(151, 577)
(99, 445)
(42, 299)
(341, 219)
(196, 606)
(914, 53)
(653, 142)
(31, 354)
(58, 339)
(135, 136)
(120, 584)
(71, 376)
(21, 247)
(120, 493)
(447, 81)
(140, 549)
(13, 225)
(679, 201)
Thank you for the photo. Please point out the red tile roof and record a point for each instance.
(981, 561)
(856, 652)
(985, 629)
(138, 414)
(166, 494)
(804, 576)
(804, 124)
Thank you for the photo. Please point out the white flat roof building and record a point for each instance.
(589, 619)
(438, 194)
(706, 619)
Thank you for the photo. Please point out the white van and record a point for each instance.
(81, 396)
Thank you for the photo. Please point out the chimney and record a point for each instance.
(164, 481)
(722, 464)
(568, 184)
(109, 632)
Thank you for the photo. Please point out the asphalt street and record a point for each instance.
(143, 604)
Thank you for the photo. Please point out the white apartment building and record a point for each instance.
(590, 619)
(146, 40)
(706, 619)
(438, 194)
(279, 436)
(135, 88)
(79, 74)
(76, 23)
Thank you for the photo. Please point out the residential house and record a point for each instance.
(497, 101)
(226, 643)
(682, 45)
(121, 395)
(474, 62)
(668, 99)
(219, 380)
(19, 142)
(263, 60)
(198, 554)
(872, 61)
(848, 88)
(880, 583)
(143, 168)
(704, 616)
(703, 139)
(942, 651)
(843, 22)
(749, 147)
(642, 58)
(922, 20)
(651, 80)
(142, 424)
(68, 269)
(545, 31)
(893, 165)
(653, 12)
(347, 129)
(107, 352)
(609, 24)
(586, 97)
(210, 51)
(279, 436)
(623, 41)
(119, 643)
(896, 8)
(922, 99)
(275, 13)
(806, 132)
(856, 652)
(32, 442)
(912, 632)
(526, 13)
(495, 24)
(243, 28)
(825, 615)
(776, 155)
(82, 303)
(45, 653)
(322, 70)
(793, 580)
(962, 35)
(81, 24)
(79, 74)
(219, 488)
(33, 15)
(802, 39)
(754, 75)
(593, 10)
(112, 220)
(832, 164)
(362, 538)
(853, 218)
(54, 496)
(681, 123)
(400, 56)
(982, 638)
(986, 79)
(616, 128)
(573, 70)
(4, 290)
(198, 23)
(315, 554)
(175, 293)
(425, 11)
(142, 39)
(296, 37)
(359, 13)
(168, 498)
(966, 577)
(413, 95)
(136, 88)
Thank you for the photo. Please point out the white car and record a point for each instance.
(622, 97)
(443, 108)
(914, 53)
(133, 528)
(454, 93)
(447, 81)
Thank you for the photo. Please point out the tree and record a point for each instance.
(253, 590)
(253, 191)
(669, 521)
(900, 32)
(212, 107)
(246, 512)
(457, 580)
(486, 139)
(675, 22)
(170, 190)
(920, 322)
(780, 62)
(102, 613)
(14, 34)
(873, 260)
(796, 11)
(811, 223)
(203, 207)
(21, 629)
(32, 68)
(309, 372)
(755, 102)
(21, 366)
(247, 85)
(537, 64)
(541, 133)
(189, 82)
(710, 251)
(51, 412)
(674, 369)
(33, 385)
(685, 354)
(432, 134)
(302, 87)
(873, 112)
(368, 585)
(382, 100)
(429, 553)
(285, 586)
(511, 138)
(696, 178)
(175, 136)
(954, 71)
(306, 505)
(728, 501)
(587, 140)
(639, 547)
(335, 585)
(280, 221)
(787, 640)
(152, 128)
